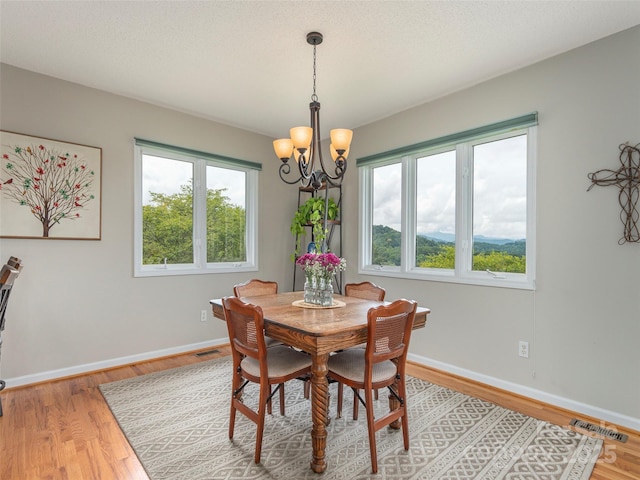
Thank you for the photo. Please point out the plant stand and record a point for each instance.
(334, 236)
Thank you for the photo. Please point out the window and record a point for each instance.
(195, 212)
(387, 214)
(459, 208)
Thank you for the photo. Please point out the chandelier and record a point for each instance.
(304, 145)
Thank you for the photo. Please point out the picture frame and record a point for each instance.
(49, 189)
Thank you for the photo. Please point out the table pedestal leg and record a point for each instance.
(393, 405)
(319, 413)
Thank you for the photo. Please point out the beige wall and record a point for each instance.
(583, 320)
(77, 304)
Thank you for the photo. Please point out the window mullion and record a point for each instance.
(199, 213)
(251, 210)
(409, 216)
(137, 218)
(464, 208)
(366, 218)
(531, 203)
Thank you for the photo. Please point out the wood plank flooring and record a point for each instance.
(64, 430)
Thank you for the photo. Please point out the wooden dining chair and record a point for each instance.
(8, 275)
(381, 364)
(15, 262)
(254, 362)
(255, 288)
(365, 290)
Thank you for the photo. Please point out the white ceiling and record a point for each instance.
(247, 63)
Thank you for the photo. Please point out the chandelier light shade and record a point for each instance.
(283, 148)
(303, 146)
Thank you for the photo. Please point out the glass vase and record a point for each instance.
(327, 294)
(310, 287)
(320, 291)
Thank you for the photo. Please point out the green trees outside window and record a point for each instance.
(504, 257)
(168, 228)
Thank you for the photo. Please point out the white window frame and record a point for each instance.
(200, 161)
(463, 143)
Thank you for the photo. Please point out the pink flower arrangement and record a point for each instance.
(321, 264)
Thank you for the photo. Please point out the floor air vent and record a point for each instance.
(605, 432)
(206, 352)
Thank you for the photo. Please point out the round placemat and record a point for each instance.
(303, 304)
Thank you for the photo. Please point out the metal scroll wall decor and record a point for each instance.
(627, 179)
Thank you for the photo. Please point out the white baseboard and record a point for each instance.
(114, 362)
(572, 405)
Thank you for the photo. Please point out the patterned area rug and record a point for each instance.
(177, 423)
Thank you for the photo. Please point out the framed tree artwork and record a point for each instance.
(49, 189)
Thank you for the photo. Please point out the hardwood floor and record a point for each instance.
(64, 429)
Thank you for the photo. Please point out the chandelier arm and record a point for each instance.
(330, 180)
(339, 171)
(285, 169)
(304, 165)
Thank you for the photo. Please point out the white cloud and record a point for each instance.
(166, 176)
(499, 194)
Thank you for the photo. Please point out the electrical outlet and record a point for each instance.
(203, 316)
(523, 349)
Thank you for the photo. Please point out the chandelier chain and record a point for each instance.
(314, 97)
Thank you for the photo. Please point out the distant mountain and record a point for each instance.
(440, 236)
(450, 237)
(387, 243)
(496, 241)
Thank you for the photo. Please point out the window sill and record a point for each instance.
(519, 282)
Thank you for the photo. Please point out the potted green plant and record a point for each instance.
(311, 213)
